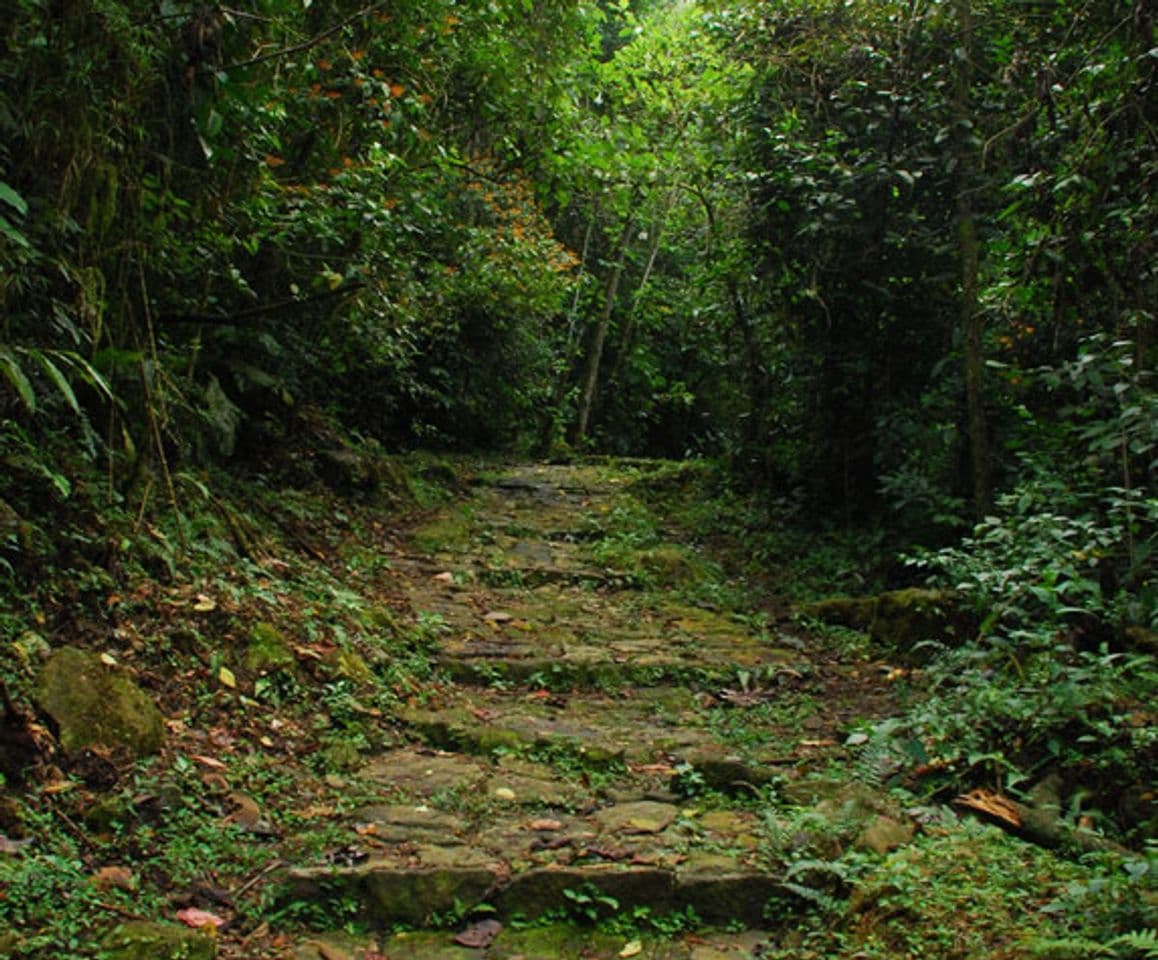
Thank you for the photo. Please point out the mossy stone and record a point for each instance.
(904, 618)
(267, 649)
(348, 665)
(853, 612)
(95, 704)
(106, 811)
(142, 940)
(670, 565)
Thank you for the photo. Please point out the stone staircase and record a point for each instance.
(556, 774)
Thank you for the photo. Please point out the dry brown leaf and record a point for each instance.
(479, 936)
(114, 878)
(193, 917)
(545, 824)
(245, 812)
(991, 804)
(13, 846)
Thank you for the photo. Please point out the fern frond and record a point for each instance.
(1068, 948)
(1141, 943)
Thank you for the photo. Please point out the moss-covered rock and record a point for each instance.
(95, 704)
(899, 620)
(267, 649)
(343, 664)
(854, 612)
(157, 941)
(902, 619)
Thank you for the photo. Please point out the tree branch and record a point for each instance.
(307, 44)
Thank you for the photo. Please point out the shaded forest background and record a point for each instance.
(892, 263)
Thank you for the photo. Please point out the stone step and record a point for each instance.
(715, 889)
(539, 942)
(580, 636)
(660, 728)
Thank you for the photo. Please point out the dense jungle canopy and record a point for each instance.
(894, 257)
(889, 267)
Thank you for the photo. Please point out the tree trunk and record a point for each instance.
(595, 355)
(971, 319)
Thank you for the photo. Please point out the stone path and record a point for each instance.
(558, 775)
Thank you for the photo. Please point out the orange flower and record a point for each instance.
(396, 90)
(272, 161)
(323, 64)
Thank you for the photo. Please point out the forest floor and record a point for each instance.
(537, 721)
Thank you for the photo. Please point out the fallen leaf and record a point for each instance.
(193, 917)
(208, 761)
(504, 793)
(826, 742)
(545, 825)
(480, 935)
(108, 660)
(992, 804)
(227, 678)
(499, 616)
(856, 739)
(633, 949)
(245, 811)
(114, 878)
(13, 846)
(315, 810)
(445, 577)
(204, 604)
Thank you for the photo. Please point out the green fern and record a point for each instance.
(1136, 945)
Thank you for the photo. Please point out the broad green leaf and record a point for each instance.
(17, 378)
(57, 378)
(13, 199)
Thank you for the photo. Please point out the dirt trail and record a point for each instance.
(610, 744)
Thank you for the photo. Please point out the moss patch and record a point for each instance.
(156, 941)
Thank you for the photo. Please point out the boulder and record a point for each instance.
(899, 620)
(96, 705)
(853, 612)
(902, 619)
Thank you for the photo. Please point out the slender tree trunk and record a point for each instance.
(595, 355)
(971, 319)
(628, 332)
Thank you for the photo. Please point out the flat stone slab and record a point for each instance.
(413, 773)
(555, 941)
(417, 893)
(649, 727)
